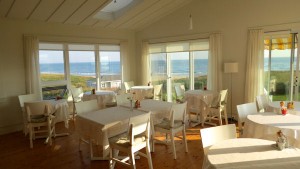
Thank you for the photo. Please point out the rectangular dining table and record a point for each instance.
(102, 124)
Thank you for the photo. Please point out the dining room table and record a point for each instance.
(250, 153)
(141, 92)
(265, 126)
(102, 124)
(199, 100)
(105, 98)
(275, 107)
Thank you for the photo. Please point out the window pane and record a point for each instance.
(82, 69)
(200, 69)
(110, 70)
(51, 65)
(159, 71)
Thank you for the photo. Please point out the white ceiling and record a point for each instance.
(82, 12)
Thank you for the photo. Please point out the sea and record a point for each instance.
(179, 67)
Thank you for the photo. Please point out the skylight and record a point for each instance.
(115, 9)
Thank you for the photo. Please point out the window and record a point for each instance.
(281, 66)
(91, 66)
(183, 62)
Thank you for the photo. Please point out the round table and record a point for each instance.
(250, 153)
(266, 125)
(275, 107)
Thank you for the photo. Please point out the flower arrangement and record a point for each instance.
(282, 141)
(283, 108)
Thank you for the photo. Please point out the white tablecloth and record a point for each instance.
(61, 110)
(275, 107)
(199, 100)
(141, 92)
(103, 97)
(266, 125)
(250, 154)
(159, 109)
(102, 124)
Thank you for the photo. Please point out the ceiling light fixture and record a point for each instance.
(191, 22)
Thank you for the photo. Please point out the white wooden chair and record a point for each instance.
(244, 110)
(212, 135)
(218, 108)
(85, 107)
(132, 142)
(22, 100)
(38, 116)
(262, 102)
(77, 94)
(171, 126)
(179, 91)
(157, 92)
(123, 98)
(128, 86)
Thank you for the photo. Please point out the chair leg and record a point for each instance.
(50, 134)
(149, 155)
(184, 140)
(31, 136)
(173, 144)
(220, 118)
(110, 158)
(225, 115)
(132, 159)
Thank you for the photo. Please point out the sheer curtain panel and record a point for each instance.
(214, 82)
(31, 49)
(145, 63)
(255, 65)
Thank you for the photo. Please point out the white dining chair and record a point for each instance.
(22, 100)
(173, 125)
(262, 102)
(128, 86)
(123, 98)
(243, 111)
(132, 142)
(217, 110)
(85, 107)
(179, 91)
(212, 135)
(38, 116)
(77, 94)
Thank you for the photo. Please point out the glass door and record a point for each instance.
(281, 65)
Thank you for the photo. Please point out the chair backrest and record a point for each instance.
(36, 108)
(138, 125)
(178, 112)
(179, 90)
(262, 102)
(220, 99)
(28, 98)
(123, 98)
(212, 135)
(244, 110)
(157, 91)
(86, 106)
(77, 94)
(128, 85)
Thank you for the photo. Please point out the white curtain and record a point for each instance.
(254, 66)
(214, 80)
(145, 63)
(125, 61)
(32, 69)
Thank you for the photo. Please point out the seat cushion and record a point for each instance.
(123, 140)
(38, 119)
(165, 124)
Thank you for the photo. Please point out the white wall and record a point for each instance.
(12, 71)
(232, 18)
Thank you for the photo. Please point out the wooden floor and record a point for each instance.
(64, 153)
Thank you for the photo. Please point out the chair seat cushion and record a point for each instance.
(38, 119)
(165, 124)
(123, 140)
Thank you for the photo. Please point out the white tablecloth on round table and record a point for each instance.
(249, 153)
(266, 125)
(103, 97)
(61, 110)
(141, 92)
(275, 107)
(199, 100)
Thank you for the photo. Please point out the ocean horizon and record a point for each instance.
(179, 67)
